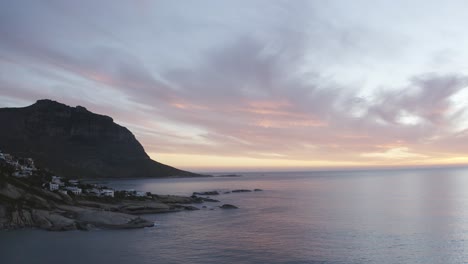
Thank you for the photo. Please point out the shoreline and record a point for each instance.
(36, 208)
(148, 178)
(36, 198)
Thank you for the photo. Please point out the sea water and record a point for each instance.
(386, 216)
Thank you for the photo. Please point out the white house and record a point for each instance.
(64, 191)
(107, 192)
(56, 179)
(74, 190)
(95, 191)
(53, 186)
(27, 170)
(140, 194)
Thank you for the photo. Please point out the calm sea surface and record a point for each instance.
(397, 216)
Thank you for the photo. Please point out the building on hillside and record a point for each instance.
(107, 192)
(30, 163)
(27, 170)
(58, 180)
(74, 190)
(53, 186)
(140, 194)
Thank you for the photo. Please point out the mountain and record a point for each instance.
(76, 143)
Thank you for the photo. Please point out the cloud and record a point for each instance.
(427, 98)
(394, 153)
(272, 84)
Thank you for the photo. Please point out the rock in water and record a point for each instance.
(206, 193)
(241, 190)
(228, 206)
(77, 143)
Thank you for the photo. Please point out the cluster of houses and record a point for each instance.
(24, 167)
(136, 193)
(71, 186)
(57, 184)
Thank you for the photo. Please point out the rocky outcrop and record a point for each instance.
(52, 221)
(228, 206)
(206, 193)
(240, 191)
(76, 143)
(229, 175)
(72, 218)
(23, 205)
(88, 218)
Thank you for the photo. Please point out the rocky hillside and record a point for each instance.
(76, 143)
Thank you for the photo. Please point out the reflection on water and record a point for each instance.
(404, 216)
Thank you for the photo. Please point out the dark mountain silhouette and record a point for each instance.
(76, 143)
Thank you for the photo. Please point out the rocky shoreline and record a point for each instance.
(38, 199)
(26, 206)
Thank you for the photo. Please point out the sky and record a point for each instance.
(253, 85)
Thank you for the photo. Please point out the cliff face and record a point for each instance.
(74, 142)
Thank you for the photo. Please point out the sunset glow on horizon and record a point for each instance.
(314, 84)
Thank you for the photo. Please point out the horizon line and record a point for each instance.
(325, 169)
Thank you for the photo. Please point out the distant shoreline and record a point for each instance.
(147, 178)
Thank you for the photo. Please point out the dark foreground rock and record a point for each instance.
(228, 206)
(71, 218)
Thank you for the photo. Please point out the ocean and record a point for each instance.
(386, 216)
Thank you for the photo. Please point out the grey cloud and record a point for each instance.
(426, 97)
